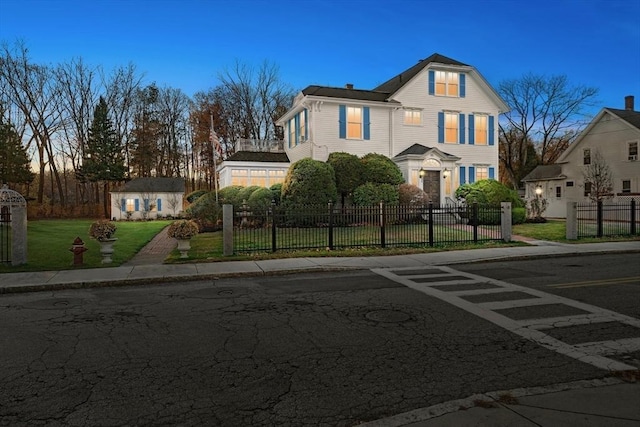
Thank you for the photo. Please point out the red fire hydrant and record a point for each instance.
(78, 248)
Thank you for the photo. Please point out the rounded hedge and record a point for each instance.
(309, 182)
(371, 194)
(488, 192)
(380, 169)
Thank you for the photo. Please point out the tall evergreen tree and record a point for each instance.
(103, 158)
(15, 166)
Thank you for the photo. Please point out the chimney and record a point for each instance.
(628, 102)
(350, 86)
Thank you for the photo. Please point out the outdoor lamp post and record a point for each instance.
(538, 190)
(422, 172)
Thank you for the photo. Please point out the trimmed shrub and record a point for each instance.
(229, 196)
(276, 192)
(245, 193)
(380, 169)
(488, 192)
(518, 215)
(206, 212)
(195, 195)
(348, 171)
(371, 194)
(309, 182)
(260, 200)
(412, 195)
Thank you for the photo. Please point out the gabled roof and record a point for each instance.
(545, 172)
(153, 185)
(339, 92)
(630, 117)
(392, 85)
(421, 150)
(258, 156)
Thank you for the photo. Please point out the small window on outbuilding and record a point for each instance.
(558, 192)
(569, 183)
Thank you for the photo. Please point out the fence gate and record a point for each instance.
(5, 235)
(13, 227)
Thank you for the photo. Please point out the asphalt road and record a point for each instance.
(322, 349)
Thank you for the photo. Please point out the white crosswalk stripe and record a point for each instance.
(441, 282)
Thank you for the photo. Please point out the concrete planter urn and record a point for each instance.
(183, 246)
(106, 250)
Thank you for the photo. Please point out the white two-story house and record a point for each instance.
(438, 120)
(615, 134)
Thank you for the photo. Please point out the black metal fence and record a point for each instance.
(331, 227)
(5, 235)
(608, 219)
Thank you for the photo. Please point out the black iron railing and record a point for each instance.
(608, 219)
(330, 227)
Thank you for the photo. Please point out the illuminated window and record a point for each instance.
(276, 177)
(239, 177)
(482, 172)
(586, 153)
(130, 205)
(451, 128)
(481, 129)
(258, 177)
(412, 117)
(354, 122)
(447, 83)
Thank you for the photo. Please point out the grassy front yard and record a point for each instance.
(49, 241)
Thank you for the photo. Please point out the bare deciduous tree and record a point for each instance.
(545, 111)
(597, 175)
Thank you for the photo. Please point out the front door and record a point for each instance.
(431, 186)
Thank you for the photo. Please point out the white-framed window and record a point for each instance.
(292, 133)
(412, 117)
(481, 129)
(586, 156)
(558, 192)
(482, 172)
(587, 189)
(258, 177)
(632, 150)
(239, 177)
(130, 205)
(451, 128)
(302, 128)
(447, 83)
(626, 186)
(354, 122)
(276, 177)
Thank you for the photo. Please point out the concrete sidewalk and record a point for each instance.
(140, 272)
(605, 402)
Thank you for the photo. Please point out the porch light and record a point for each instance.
(538, 190)
(446, 173)
(422, 172)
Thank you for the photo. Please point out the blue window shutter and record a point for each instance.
(492, 173)
(343, 121)
(472, 129)
(146, 204)
(297, 125)
(123, 203)
(306, 124)
(365, 117)
(462, 85)
(432, 82)
(462, 130)
(136, 205)
(159, 205)
(472, 174)
(463, 176)
(441, 127)
(491, 141)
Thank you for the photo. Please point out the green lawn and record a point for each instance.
(49, 241)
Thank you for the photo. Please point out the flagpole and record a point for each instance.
(213, 154)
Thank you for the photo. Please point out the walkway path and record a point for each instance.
(155, 252)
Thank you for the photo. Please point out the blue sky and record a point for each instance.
(186, 43)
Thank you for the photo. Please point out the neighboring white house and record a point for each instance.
(438, 120)
(616, 135)
(143, 198)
